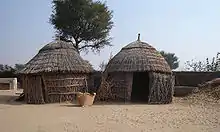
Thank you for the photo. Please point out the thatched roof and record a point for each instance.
(57, 56)
(138, 56)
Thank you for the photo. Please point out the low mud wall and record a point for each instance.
(183, 78)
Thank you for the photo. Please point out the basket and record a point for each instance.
(85, 99)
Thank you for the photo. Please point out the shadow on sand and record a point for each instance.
(70, 105)
(9, 99)
(105, 103)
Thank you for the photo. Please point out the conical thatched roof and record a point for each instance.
(57, 56)
(138, 56)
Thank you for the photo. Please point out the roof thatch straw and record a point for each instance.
(138, 56)
(57, 56)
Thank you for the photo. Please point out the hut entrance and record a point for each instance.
(140, 87)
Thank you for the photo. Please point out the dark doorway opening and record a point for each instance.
(140, 87)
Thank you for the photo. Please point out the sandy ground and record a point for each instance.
(176, 117)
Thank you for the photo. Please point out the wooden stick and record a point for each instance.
(66, 79)
(63, 93)
(66, 86)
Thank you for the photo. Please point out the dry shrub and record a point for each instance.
(208, 95)
(104, 92)
(213, 83)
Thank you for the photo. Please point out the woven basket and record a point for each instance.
(85, 99)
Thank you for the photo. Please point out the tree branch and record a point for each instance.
(86, 46)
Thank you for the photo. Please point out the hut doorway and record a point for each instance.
(140, 87)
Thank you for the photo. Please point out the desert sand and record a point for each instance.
(66, 117)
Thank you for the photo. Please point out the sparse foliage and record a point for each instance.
(9, 71)
(1, 67)
(207, 65)
(102, 66)
(4, 68)
(86, 23)
(197, 66)
(6, 71)
(19, 67)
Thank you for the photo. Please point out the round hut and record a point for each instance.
(139, 73)
(55, 74)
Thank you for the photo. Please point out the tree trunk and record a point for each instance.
(77, 46)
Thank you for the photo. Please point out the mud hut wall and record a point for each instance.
(62, 87)
(62, 83)
(91, 83)
(122, 85)
(4, 86)
(161, 88)
(96, 78)
(33, 89)
(50, 88)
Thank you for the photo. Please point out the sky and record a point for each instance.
(188, 28)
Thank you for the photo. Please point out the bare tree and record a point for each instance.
(207, 65)
(103, 64)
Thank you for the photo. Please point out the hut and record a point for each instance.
(55, 74)
(138, 73)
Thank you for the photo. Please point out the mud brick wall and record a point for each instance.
(183, 78)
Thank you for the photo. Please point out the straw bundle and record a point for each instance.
(204, 96)
(105, 90)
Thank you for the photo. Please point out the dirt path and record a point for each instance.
(178, 117)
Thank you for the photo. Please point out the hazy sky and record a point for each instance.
(189, 28)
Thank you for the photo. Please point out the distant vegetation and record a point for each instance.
(7, 71)
(203, 66)
(171, 58)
